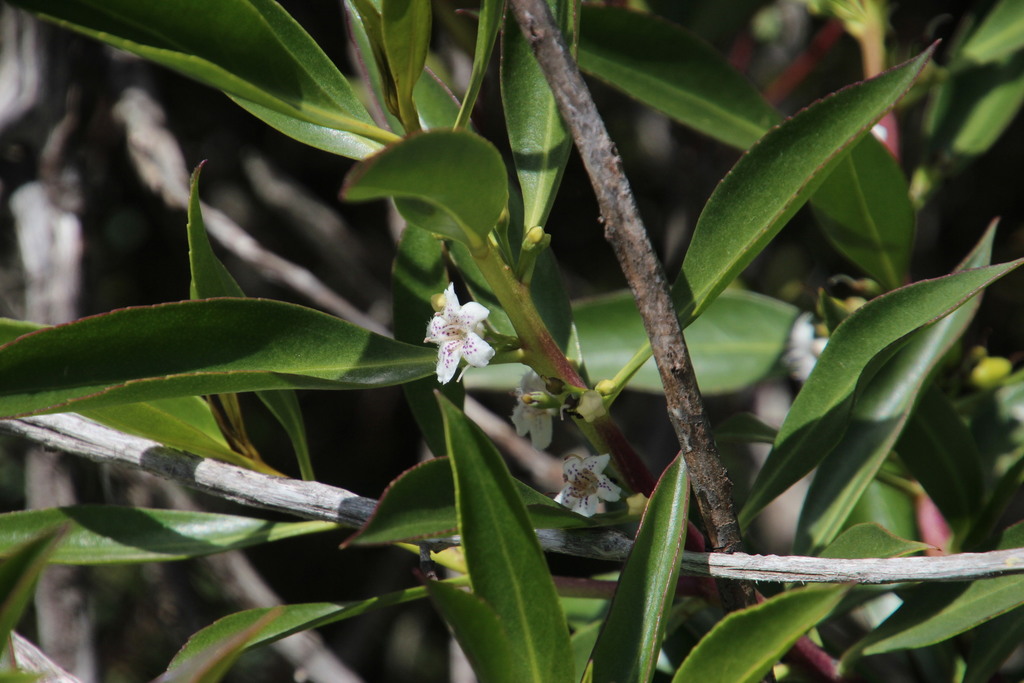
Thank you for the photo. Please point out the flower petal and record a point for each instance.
(448, 355)
(475, 350)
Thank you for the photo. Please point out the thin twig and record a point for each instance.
(312, 500)
(625, 231)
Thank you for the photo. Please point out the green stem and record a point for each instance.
(542, 353)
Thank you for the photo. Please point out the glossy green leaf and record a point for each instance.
(973, 108)
(871, 540)
(999, 34)
(887, 505)
(744, 428)
(211, 664)
(192, 348)
(876, 421)
(630, 642)
(185, 423)
(937, 448)
(480, 634)
(506, 566)
(291, 619)
(211, 279)
(251, 49)
(737, 342)
(994, 642)
(405, 29)
(933, 613)
(419, 273)
(865, 211)
(428, 175)
(539, 139)
(437, 106)
(420, 503)
(488, 24)
(18, 575)
(11, 329)
(671, 69)
(821, 412)
(771, 182)
(766, 631)
(109, 534)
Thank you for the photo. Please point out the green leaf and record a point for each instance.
(871, 540)
(1000, 34)
(736, 343)
(506, 565)
(211, 664)
(539, 139)
(766, 632)
(18, 575)
(420, 503)
(933, 613)
(672, 70)
(771, 182)
(972, 109)
(11, 329)
(630, 642)
(480, 634)
(109, 534)
(994, 642)
(937, 448)
(419, 273)
(865, 211)
(251, 49)
(489, 21)
(821, 411)
(185, 423)
(405, 29)
(744, 428)
(290, 620)
(192, 348)
(211, 279)
(428, 175)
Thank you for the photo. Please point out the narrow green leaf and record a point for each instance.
(251, 49)
(11, 329)
(821, 411)
(669, 68)
(213, 663)
(994, 642)
(211, 279)
(192, 348)
(185, 423)
(771, 182)
(480, 634)
(420, 503)
(109, 534)
(737, 342)
(744, 428)
(871, 540)
(539, 139)
(506, 565)
(18, 575)
(428, 175)
(405, 28)
(291, 619)
(865, 211)
(938, 450)
(489, 21)
(933, 613)
(766, 632)
(629, 644)
(1000, 34)
(419, 273)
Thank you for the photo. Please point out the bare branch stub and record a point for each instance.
(628, 237)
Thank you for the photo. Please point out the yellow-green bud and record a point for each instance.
(990, 372)
(605, 387)
(438, 301)
(591, 406)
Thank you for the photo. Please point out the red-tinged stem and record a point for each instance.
(804, 64)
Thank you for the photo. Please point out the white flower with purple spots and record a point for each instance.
(458, 332)
(529, 416)
(585, 486)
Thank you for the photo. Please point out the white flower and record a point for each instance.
(585, 485)
(458, 330)
(803, 348)
(528, 416)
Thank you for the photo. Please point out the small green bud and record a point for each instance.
(605, 387)
(990, 372)
(438, 302)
